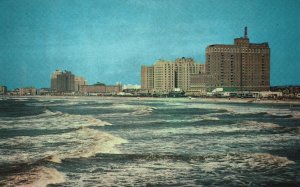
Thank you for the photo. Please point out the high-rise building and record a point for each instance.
(185, 68)
(54, 80)
(243, 66)
(147, 76)
(79, 81)
(63, 81)
(165, 76)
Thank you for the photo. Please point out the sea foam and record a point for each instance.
(83, 142)
(36, 177)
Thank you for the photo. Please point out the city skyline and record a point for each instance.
(108, 41)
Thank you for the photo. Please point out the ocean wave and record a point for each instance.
(259, 125)
(131, 110)
(245, 161)
(52, 120)
(245, 109)
(36, 177)
(179, 169)
(83, 142)
(295, 114)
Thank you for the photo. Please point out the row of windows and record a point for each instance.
(237, 50)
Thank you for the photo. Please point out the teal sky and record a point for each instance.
(109, 40)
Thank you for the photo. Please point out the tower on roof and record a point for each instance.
(245, 32)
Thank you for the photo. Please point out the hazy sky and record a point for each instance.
(109, 40)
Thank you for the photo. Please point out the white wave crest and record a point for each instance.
(52, 120)
(246, 161)
(259, 125)
(83, 142)
(86, 119)
(36, 177)
(268, 159)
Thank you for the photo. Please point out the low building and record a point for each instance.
(287, 91)
(100, 89)
(270, 94)
(79, 81)
(132, 86)
(198, 84)
(43, 91)
(27, 91)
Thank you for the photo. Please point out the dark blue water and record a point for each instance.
(148, 142)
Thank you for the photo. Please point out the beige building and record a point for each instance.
(79, 81)
(101, 89)
(185, 68)
(63, 81)
(165, 76)
(54, 79)
(243, 66)
(147, 78)
(27, 91)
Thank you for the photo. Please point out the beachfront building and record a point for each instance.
(79, 81)
(147, 78)
(54, 79)
(63, 81)
(166, 76)
(27, 91)
(100, 89)
(242, 66)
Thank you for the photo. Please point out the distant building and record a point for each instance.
(288, 91)
(79, 81)
(3, 90)
(27, 91)
(243, 66)
(100, 89)
(54, 80)
(43, 91)
(63, 81)
(132, 86)
(15, 92)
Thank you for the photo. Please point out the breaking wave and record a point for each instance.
(83, 142)
(52, 120)
(36, 177)
(259, 125)
(246, 161)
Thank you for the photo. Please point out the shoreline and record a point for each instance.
(211, 100)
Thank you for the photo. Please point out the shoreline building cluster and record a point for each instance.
(64, 82)
(238, 67)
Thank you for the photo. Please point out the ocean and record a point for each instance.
(101, 141)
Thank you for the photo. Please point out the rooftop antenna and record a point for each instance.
(245, 33)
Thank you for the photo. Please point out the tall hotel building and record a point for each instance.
(165, 76)
(147, 78)
(243, 66)
(63, 81)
